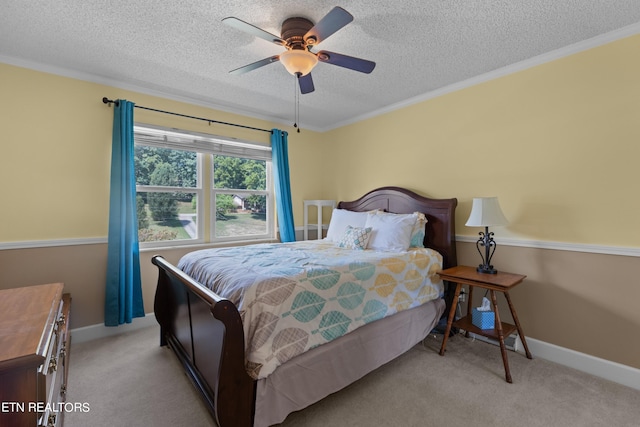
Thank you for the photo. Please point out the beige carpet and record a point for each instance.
(128, 380)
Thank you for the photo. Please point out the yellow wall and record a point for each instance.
(56, 152)
(558, 144)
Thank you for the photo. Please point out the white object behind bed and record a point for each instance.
(319, 204)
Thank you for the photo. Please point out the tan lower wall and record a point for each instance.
(82, 269)
(580, 301)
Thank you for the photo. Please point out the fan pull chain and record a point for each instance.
(295, 102)
(296, 97)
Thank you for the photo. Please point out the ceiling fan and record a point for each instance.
(299, 36)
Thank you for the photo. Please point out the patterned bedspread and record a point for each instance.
(296, 296)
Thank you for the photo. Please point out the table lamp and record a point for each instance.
(486, 212)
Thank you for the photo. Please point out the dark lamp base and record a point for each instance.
(487, 269)
(486, 241)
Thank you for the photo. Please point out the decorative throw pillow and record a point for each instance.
(355, 237)
(418, 233)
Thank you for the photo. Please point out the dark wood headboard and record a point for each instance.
(440, 233)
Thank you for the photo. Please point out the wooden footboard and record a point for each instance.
(205, 331)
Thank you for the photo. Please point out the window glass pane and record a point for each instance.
(240, 215)
(166, 216)
(169, 165)
(236, 173)
(165, 167)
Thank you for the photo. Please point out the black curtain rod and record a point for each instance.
(109, 101)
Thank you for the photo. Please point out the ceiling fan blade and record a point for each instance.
(346, 61)
(306, 84)
(253, 30)
(257, 64)
(329, 24)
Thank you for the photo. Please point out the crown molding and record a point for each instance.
(563, 52)
(132, 87)
(501, 72)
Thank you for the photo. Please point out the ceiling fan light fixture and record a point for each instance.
(298, 61)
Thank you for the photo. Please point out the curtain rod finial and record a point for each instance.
(108, 101)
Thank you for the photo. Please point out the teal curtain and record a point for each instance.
(280, 159)
(123, 298)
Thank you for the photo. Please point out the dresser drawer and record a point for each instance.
(54, 370)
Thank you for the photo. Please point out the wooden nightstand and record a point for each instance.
(501, 282)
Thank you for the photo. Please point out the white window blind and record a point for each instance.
(193, 141)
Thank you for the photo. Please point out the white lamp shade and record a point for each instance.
(485, 212)
(298, 61)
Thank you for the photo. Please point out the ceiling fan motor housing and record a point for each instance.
(293, 31)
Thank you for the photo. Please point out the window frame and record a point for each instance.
(206, 146)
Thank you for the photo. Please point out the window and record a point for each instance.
(192, 185)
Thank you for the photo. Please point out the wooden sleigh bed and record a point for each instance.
(206, 333)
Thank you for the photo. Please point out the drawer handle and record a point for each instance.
(61, 320)
(53, 364)
(51, 422)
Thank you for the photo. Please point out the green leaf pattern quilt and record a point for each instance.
(296, 296)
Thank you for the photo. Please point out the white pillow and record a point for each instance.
(390, 232)
(417, 233)
(340, 218)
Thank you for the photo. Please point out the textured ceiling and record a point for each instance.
(180, 49)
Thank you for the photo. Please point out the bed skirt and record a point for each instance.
(311, 376)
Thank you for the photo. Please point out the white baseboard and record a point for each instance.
(94, 332)
(612, 371)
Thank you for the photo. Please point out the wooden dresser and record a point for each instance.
(34, 355)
